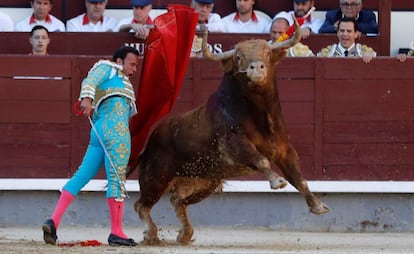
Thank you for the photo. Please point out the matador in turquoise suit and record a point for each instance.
(108, 95)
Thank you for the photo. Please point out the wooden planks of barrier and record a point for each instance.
(348, 120)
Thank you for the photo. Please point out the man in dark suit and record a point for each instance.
(366, 20)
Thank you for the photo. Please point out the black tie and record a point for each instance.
(346, 52)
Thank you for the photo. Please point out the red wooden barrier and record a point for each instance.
(348, 120)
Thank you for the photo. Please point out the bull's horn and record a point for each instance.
(292, 41)
(215, 57)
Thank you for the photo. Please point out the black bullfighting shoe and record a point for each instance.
(115, 240)
(49, 232)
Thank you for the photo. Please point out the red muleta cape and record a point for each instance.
(167, 53)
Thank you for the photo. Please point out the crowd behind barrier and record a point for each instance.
(64, 9)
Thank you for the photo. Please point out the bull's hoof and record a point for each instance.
(151, 241)
(319, 208)
(151, 238)
(184, 237)
(279, 183)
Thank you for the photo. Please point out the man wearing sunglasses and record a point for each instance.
(365, 19)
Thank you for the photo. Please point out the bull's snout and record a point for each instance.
(256, 71)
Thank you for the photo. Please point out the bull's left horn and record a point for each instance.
(292, 41)
(215, 57)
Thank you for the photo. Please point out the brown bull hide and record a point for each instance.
(239, 131)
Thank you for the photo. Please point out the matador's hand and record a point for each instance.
(86, 106)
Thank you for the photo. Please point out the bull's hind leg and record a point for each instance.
(290, 166)
(143, 208)
(187, 191)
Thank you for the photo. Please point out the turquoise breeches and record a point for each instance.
(111, 123)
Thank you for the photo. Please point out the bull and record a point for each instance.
(239, 131)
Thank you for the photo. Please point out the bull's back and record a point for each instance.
(179, 142)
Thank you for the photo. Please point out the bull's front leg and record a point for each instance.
(275, 180)
(288, 162)
(247, 154)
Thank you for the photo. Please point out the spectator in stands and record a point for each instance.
(246, 19)
(278, 27)
(93, 20)
(107, 98)
(366, 20)
(140, 23)
(39, 39)
(347, 47)
(206, 20)
(212, 20)
(311, 24)
(41, 16)
(6, 23)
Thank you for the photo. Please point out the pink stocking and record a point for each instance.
(63, 203)
(116, 209)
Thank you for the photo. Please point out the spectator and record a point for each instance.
(140, 22)
(310, 25)
(39, 39)
(212, 20)
(366, 20)
(246, 19)
(41, 16)
(108, 96)
(347, 47)
(278, 27)
(206, 20)
(93, 20)
(6, 23)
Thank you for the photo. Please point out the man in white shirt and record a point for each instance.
(40, 16)
(278, 28)
(140, 22)
(93, 20)
(6, 23)
(212, 20)
(311, 24)
(246, 19)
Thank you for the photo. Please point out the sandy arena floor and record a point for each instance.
(212, 241)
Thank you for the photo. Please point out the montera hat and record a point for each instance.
(141, 2)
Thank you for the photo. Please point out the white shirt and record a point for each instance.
(81, 24)
(129, 21)
(313, 24)
(51, 23)
(232, 23)
(6, 23)
(215, 24)
(125, 21)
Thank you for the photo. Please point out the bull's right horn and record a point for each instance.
(215, 57)
(292, 41)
